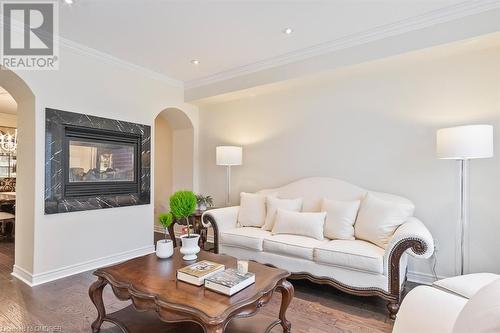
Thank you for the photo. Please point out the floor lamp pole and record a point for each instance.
(463, 212)
(228, 185)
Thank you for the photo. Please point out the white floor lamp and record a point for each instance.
(463, 143)
(228, 156)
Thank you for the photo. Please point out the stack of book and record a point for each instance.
(215, 277)
(198, 272)
(229, 282)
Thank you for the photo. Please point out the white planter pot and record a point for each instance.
(164, 248)
(190, 247)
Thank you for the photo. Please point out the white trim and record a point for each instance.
(422, 278)
(88, 51)
(414, 23)
(40, 278)
(22, 274)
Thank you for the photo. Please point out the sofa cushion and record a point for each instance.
(274, 203)
(482, 313)
(298, 223)
(354, 254)
(378, 219)
(244, 237)
(427, 310)
(292, 245)
(340, 218)
(252, 212)
(466, 285)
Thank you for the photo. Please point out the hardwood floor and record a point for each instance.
(64, 306)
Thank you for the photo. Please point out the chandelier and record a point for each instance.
(8, 142)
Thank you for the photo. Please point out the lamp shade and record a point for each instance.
(465, 142)
(229, 155)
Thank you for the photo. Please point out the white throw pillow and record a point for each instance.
(378, 219)
(481, 314)
(274, 203)
(252, 212)
(340, 218)
(466, 285)
(298, 223)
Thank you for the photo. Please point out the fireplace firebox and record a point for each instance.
(94, 162)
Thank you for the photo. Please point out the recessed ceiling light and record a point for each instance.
(69, 2)
(195, 62)
(287, 31)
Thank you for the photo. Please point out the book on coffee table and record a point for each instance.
(198, 272)
(229, 282)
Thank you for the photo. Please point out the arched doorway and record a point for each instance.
(25, 171)
(174, 157)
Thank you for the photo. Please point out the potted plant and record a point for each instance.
(204, 201)
(165, 247)
(182, 206)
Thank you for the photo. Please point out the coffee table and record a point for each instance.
(160, 303)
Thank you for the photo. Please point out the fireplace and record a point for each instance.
(94, 162)
(100, 161)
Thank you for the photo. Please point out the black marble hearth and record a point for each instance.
(94, 163)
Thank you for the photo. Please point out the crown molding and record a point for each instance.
(414, 23)
(88, 51)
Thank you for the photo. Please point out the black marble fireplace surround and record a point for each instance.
(69, 189)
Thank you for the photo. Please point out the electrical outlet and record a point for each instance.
(436, 246)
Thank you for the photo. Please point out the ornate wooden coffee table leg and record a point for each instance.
(95, 293)
(287, 292)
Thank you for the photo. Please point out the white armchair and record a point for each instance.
(467, 303)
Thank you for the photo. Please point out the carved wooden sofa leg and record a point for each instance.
(393, 308)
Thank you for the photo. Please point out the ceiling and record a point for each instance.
(164, 36)
(7, 102)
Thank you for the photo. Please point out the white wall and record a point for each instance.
(163, 166)
(373, 125)
(182, 156)
(94, 84)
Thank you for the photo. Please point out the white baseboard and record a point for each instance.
(40, 278)
(422, 278)
(22, 274)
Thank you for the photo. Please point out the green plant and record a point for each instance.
(205, 200)
(166, 220)
(183, 205)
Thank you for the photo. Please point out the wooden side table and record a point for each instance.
(198, 228)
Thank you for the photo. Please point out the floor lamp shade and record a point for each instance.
(465, 142)
(229, 155)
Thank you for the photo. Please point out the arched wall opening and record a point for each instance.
(174, 157)
(25, 183)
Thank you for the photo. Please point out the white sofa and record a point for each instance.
(354, 266)
(468, 303)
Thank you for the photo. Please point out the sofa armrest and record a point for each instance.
(220, 219)
(411, 237)
(414, 236)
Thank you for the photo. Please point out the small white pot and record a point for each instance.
(202, 207)
(164, 248)
(190, 247)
